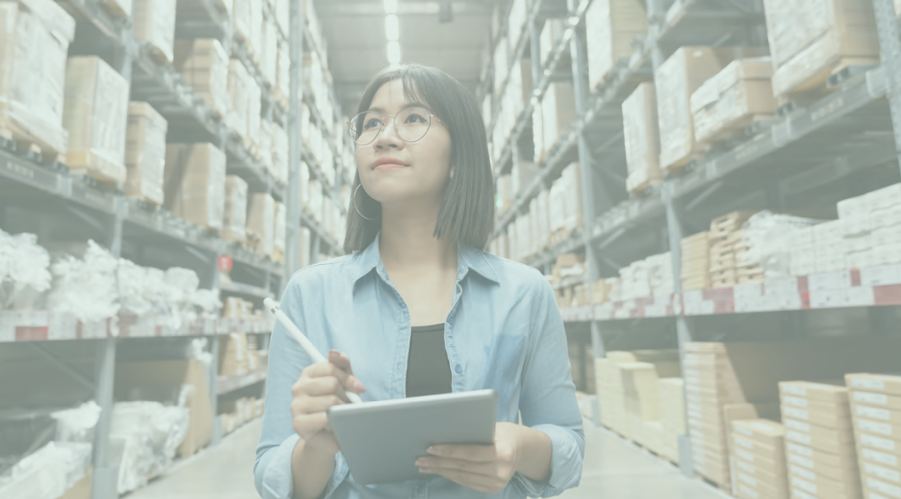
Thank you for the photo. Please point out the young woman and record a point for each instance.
(418, 308)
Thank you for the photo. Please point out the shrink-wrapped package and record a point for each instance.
(642, 139)
(195, 183)
(204, 65)
(235, 220)
(154, 23)
(145, 153)
(610, 27)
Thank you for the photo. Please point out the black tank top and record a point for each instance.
(428, 370)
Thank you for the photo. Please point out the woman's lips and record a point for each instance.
(388, 166)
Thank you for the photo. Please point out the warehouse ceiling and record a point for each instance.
(450, 35)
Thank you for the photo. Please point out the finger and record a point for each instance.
(479, 453)
(318, 387)
(443, 464)
(324, 369)
(308, 425)
(314, 405)
(342, 361)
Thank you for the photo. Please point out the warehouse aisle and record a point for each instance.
(614, 469)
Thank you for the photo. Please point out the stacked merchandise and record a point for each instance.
(768, 237)
(635, 280)
(612, 26)
(35, 37)
(565, 204)
(195, 184)
(696, 261)
(154, 24)
(236, 413)
(611, 387)
(238, 355)
(642, 138)
(835, 34)
(522, 173)
(759, 459)
(652, 276)
(581, 358)
(96, 117)
(660, 274)
(240, 309)
(729, 381)
(145, 153)
(261, 223)
(278, 238)
(671, 392)
(641, 400)
(819, 440)
(235, 220)
(733, 99)
(727, 247)
(676, 79)
(558, 112)
(25, 273)
(204, 65)
(876, 412)
(872, 228)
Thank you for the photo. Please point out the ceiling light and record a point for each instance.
(390, 6)
(393, 52)
(392, 30)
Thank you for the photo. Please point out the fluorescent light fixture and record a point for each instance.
(393, 52)
(390, 6)
(392, 29)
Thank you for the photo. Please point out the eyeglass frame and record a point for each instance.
(431, 115)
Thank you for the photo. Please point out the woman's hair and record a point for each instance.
(467, 210)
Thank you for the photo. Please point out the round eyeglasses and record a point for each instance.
(411, 125)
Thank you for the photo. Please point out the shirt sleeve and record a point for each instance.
(272, 470)
(548, 401)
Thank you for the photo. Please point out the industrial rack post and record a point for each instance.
(890, 45)
(295, 145)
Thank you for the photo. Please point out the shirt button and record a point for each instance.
(458, 369)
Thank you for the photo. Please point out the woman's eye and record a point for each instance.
(372, 123)
(415, 118)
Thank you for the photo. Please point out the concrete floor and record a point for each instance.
(614, 469)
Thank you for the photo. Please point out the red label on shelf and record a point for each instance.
(225, 262)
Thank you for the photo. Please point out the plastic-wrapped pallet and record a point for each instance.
(24, 271)
(733, 99)
(759, 458)
(261, 223)
(145, 153)
(195, 183)
(148, 435)
(154, 23)
(96, 116)
(34, 41)
(677, 79)
(872, 228)
(876, 415)
(660, 274)
(264, 151)
(235, 220)
(671, 394)
(819, 439)
(85, 287)
(204, 65)
(278, 243)
(696, 261)
(725, 239)
(812, 39)
(239, 81)
(551, 34)
(642, 139)
(611, 26)
(520, 88)
(558, 112)
(269, 55)
(48, 472)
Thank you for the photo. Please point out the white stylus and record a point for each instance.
(304, 342)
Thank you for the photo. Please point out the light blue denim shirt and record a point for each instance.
(503, 332)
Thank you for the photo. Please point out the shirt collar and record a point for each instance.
(468, 258)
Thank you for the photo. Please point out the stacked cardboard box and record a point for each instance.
(236, 413)
(145, 153)
(759, 459)
(235, 358)
(868, 235)
(733, 99)
(235, 219)
(195, 183)
(261, 223)
(642, 138)
(718, 375)
(671, 393)
(725, 242)
(35, 40)
(558, 112)
(677, 78)
(696, 261)
(278, 241)
(834, 34)
(204, 65)
(96, 117)
(642, 399)
(876, 412)
(522, 174)
(565, 204)
(238, 309)
(611, 26)
(819, 439)
(153, 22)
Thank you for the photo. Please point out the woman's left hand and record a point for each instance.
(485, 468)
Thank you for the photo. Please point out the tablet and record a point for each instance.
(382, 440)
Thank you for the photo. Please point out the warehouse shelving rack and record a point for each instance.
(793, 161)
(79, 207)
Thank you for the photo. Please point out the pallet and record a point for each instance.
(643, 188)
(825, 81)
(114, 8)
(100, 169)
(144, 203)
(30, 144)
(739, 131)
(684, 164)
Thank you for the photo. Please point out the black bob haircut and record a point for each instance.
(467, 210)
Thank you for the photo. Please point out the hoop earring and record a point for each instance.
(353, 200)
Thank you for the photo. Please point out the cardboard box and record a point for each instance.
(550, 36)
(882, 458)
(239, 92)
(840, 467)
(611, 26)
(821, 486)
(878, 414)
(278, 242)
(118, 8)
(154, 23)
(733, 99)
(145, 153)
(195, 183)
(83, 488)
(846, 459)
(762, 488)
(878, 489)
(203, 64)
(877, 428)
(35, 39)
(834, 394)
(261, 223)
(820, 415)
(825, 439)
(168, 376)
(235, 219)
(754, 465)
(558, 113)
(878, 383)
(96, 117)
(887, 474)
(677, 79)
(642, 138)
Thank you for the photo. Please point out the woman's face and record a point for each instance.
(395, 171)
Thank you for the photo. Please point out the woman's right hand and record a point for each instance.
(321, 386)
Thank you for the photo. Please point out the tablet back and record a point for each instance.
(381, 440)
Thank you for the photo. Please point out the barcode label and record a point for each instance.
(871, 398)
(887, 474)
(803, 473)
(872, 412)
(803, 461)
(870, 384)
(880, 428)
(797, 437)
(880, 457)
(795, 401)
(796, 413)
(795, 390)
(879, 443)
(799, 449)
(797, 425)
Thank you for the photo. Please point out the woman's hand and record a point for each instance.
(321, 386)
(485, 468)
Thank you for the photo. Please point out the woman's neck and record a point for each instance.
(408, 243)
